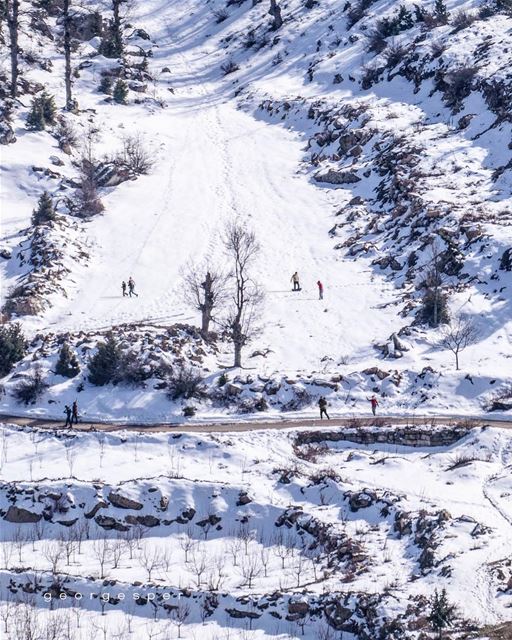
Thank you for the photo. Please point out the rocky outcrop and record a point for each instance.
(122, 502)
(333, 176)
(19, 515)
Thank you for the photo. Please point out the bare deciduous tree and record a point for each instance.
(187, 543)
(240, 323)
(180, 614)
(204, 289)
(102, 551)
(199, 565)
(250, 568)
(150, 559)
(458, 335)
(53, 552)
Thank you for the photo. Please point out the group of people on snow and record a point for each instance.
(296, 285)
(131, 288)
(71, 414)
(322, 405)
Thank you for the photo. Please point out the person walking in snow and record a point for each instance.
(74, 413)
(67, 411)
(375, 403)
(320, 290)
(296, 282)
(322, 404)
(131, 287)
(123, 287)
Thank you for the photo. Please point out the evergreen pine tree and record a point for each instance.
(120, 91)
(111, 45)
(12, 347)
(67, 364)
(105, 85)
(441, 12)
(43, 112)
(104, 365)
(442, 613)
(45, 211)
(404, 19)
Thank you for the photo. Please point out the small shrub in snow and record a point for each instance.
(136, 156)
(222, 379)
(29, 390)
(220, 15)
(67, 364)
(120, 93)
(229, 67)
(463, 19)
(105, 85)
(131, 370)
(66, 135)
(189, 411)
(104, 365)
(185, 383)
(45, 211)
(42, 112)
(395, 54)
(457, 85)
(13, 347)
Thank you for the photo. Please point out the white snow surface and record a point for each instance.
(208, 472)
(216, 161)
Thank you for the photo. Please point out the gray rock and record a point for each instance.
(338, 177)
(122, 502)
(19, 515)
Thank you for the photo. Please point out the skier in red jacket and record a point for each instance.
(375, 403)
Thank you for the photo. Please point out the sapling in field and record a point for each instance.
(459, 334)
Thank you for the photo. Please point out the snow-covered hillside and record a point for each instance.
(351, 166)
(260, 535)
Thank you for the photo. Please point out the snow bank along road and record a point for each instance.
(226, 427)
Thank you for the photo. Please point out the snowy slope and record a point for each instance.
(215, 160)
(375, 528)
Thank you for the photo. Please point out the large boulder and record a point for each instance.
(332, 176)
(110, 174)
(18, 515)
(122, 502)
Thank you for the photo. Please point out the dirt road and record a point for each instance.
(234, 426)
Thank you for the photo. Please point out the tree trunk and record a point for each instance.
(238, 342)
(456, 360)
(118, 38)
(436, 306)
(12, 22)
(67, 57)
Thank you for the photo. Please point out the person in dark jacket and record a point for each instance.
(131, 287)
(123, 287)
(320, 290)
(74, 413)
(322, 403)
(67, 411)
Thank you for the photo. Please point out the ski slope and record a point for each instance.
(217, 157)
